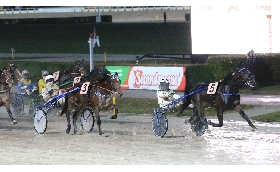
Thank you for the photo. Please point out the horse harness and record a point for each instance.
(97, 93)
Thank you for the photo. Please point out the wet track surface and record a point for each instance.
(130, 140)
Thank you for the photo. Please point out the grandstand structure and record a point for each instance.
(119, 13)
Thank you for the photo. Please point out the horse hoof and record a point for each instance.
(254, 128)
(67, 131)
(104, 135)
(113, 117)
(14, 122)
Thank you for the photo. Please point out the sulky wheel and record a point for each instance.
(18, 106)
(40, 121)
(199, 125)
(159, 124)
(87, 120)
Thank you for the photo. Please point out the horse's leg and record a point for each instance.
(195, 113)
(115, 116)
(220, 118)
(242, 113)
(96, 111)
(75, 117)
(10, 114)
(112, 107)
(69, 115)
(68, 122)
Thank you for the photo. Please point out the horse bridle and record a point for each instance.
(12, 69)
(112, 78)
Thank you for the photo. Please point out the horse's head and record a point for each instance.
(245, 76)
(116, 84)
(83, 72)
(12, 68)
(78, 67)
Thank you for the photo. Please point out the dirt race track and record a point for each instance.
(131, 141)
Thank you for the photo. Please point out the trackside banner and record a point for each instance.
(149, 78)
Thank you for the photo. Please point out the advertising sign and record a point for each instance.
(140, 77)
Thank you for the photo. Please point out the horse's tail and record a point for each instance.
(187, 99)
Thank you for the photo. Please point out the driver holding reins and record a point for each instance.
(51, 90)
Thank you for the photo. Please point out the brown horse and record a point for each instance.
(100, 84)
(65, 78)
(222, 96)
(6, 82)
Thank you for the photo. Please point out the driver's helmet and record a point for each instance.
(44, 74)
(49, 80)
(25, 74)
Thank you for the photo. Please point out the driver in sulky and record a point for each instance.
(51, 90)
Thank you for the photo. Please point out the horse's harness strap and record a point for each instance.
(102, 88)
(228, 94)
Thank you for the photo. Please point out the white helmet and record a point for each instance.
(49, 77)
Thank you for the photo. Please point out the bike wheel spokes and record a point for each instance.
(199, 125)
(40, 121)
(87, 120)
(159, 124)
(17, 106)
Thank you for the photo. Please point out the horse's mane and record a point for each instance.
(229, 77)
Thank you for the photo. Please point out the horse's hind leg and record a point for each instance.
(68, 122)
(75, 117)
(242, 113)
(11, 116)
(69, 115)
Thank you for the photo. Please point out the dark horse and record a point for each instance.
(222, 96)
(75, 102)
(6, 82)
(65, 78)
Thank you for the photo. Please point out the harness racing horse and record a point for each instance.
(6, 82)
(76, 102)
(220, 95)
(65, 78)
(106, 102)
